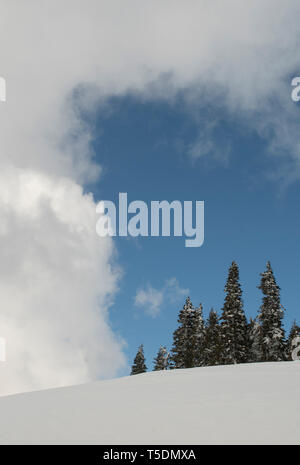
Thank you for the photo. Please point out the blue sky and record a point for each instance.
(144, 148)
(178, 101)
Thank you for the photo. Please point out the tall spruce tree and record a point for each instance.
(139, 364)
(294, 332)
(212, 340)
(198, 336)
(271, 333)
(161, 361)
(183, 353)
(234, 323)
(253, 331)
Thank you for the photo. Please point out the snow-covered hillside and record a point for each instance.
(253, 403)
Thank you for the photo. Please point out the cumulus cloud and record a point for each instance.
(152, 300)
(56, 278)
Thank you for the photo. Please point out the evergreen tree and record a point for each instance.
(234, 323)
(139, 365)
(253, 341)
(161, 361)
(183, 354)
(212, 340)
(198, 336)
(294, 332)
(271, 333)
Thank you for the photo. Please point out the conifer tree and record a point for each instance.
(234, 323)
(253, 341)
(139, 365)
(198, 336)
(294, 332)
(188, 338)
(271, 333)
(212, 340)
(161, 361)
(183, 338)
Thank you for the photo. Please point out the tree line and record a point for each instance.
(230, 338)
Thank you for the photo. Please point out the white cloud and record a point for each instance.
(238, 55)
(55, 281)
(152, 300)
(55, 275)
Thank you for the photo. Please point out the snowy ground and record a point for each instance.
(245, 404)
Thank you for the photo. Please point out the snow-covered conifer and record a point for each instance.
(198, 336)
(161, 361)
(183, 338)
(139, 365)
(271, 335)
(234, 323)
(188, 338)
(253, 341)
(294, 332)
(212, 340)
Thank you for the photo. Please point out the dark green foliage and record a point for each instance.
(294, 332)
(271, 332)
(182, 353)
(212, 340)
(230, 339)
(139, 365)
(234, 323)
(198, 336)
(188, 337)
(253, 332)
(161, 361)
